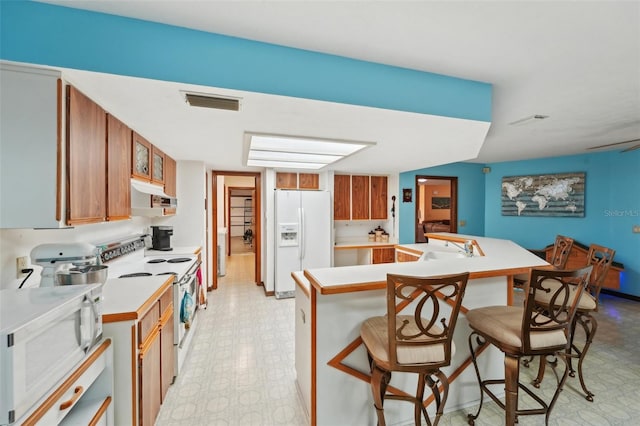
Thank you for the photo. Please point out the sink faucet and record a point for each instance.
(468, 247)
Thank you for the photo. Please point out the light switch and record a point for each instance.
(463, 223)
(636, 229)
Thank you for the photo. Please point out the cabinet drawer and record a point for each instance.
(148, 323)
(64, 399)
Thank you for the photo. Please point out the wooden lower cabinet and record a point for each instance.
(383, 255)
(149, 381)
(143, 359)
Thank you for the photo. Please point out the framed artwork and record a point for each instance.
(406, 195)
(558, 195)
(439, 203)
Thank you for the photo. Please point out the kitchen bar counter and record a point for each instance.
(331, 304)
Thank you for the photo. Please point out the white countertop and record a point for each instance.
(501, 257)
(130, 298)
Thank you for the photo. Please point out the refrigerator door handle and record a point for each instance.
(301, 231)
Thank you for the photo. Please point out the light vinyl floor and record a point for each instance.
(240, 370)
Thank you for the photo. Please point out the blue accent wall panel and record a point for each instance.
(470, 198)
(612, 207)
(59, 36)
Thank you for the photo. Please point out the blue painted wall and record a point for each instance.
(612, 207)
(471, 198)
(59, 36)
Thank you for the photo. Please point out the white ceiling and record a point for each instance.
(576, 61)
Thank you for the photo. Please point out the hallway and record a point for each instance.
(240, 369)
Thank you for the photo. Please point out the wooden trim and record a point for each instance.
(153, 335)
(301, 285)
(198, 251)
(366, 246)
(66, 385)
(59, 153)
(103, 408)
(134, 376)
(509, 290)
(139, 313)
(455, 240)
(314, 359)
(166, 316)
(409, 250)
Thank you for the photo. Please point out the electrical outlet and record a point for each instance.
(21, 263)
(636, 229)
(463, 223)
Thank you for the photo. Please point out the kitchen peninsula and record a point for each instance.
(331, 303)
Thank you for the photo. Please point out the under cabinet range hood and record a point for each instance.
(147, 188)
(149, 200)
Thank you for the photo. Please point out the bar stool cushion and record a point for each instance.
(374, 336)
(504, 325)
(586, 303)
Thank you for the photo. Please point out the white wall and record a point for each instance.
(20, 242)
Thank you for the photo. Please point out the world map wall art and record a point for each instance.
(559, 195)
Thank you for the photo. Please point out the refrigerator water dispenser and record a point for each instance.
(288, 234)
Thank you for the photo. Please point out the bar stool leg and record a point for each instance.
(590, 326)
(511, 372)
(379, 380)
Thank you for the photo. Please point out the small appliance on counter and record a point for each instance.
(161, 237)
(70, 263)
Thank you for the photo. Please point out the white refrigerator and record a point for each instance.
(303, 235)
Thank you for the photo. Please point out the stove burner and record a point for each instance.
(168, 273)
(179, 260)
(136, 274)
(157, 260)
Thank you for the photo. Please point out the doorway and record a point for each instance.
(235, 210)
(436, 205)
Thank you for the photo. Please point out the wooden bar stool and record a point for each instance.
(419, 341)
(528, 330)
(600, 258)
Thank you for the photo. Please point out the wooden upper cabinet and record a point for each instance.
(378, 197)
(141, 158)
(286, 180)
(118, 169)
(309, 181)
(157, 166)
(360, 197)
(170, 181)
(86, 159)
(341, 197)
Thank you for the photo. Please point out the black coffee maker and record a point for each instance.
(161, 237)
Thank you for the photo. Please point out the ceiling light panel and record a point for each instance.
(298, 152)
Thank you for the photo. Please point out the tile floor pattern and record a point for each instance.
(240, 370)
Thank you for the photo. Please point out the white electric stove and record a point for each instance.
(127, 260)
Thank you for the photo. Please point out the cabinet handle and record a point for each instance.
(77, 392)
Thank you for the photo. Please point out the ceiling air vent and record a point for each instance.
(210, 101)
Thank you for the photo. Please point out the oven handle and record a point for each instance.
(190, 273)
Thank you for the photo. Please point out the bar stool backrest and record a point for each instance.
(546, 326)
(600, 258)
(428, 323)
(561, 249)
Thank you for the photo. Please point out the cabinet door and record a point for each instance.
(166, 354)
(141, 158)
(378, 197)
(309, 181)
(360, 197)
(157, 166)
(341, 197)
(383, 255)
(169, 180)
(86, 159)
(286, 180)
(118, 169)
(150, 396)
